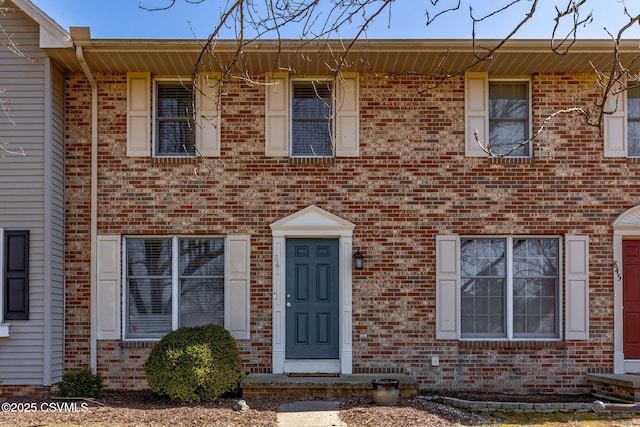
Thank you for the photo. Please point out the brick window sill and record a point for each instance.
(138, 344)
(512, 345)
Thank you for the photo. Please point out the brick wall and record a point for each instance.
(412, 181)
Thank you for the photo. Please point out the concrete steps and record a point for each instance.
(304, 387)
(623, 387)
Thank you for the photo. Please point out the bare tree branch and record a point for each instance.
(254, 20)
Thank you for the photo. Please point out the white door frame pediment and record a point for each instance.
(312, 221)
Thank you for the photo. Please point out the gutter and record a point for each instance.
(83, 34)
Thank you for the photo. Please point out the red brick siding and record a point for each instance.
(411, 182)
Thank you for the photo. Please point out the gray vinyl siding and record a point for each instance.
(31, 198)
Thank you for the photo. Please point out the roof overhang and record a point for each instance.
(318, 57)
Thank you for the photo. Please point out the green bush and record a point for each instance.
(80, 383)
(192, 364)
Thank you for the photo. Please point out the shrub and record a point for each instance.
(80, 383)
(192, 364)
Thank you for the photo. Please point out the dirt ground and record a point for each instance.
(145, 409)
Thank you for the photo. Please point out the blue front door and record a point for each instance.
(312, 298)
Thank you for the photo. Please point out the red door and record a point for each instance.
(631, 298)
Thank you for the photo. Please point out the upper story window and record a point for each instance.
(497, 116)
(312, 119)
(509, 118)
(633, 121)
(622, 120)
(185, 119)
(174, 119)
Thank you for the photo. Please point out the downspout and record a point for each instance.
(93, 343)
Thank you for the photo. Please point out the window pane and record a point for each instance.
(633, 129)
(509, 117)
(508, 100)
(535, 287)
(201, 301)
(633, 101)
(506, 135)
(148, 288)
(483, 287)
(633, 117)
(174, 119)
(201, 282)
(313, 139)
(312, 119)
(312, 100)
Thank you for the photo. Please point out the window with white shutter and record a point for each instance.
(497, 116)
(509, 288)
(312, 117)
(177, 281)
(170, 117)
(622, 121)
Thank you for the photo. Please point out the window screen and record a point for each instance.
(633, 119)
(509, 288)
(159, 271)
(201, 282)
(509, 117)
(149, 287)
(312, 119)
(175, 133)
(483, 279)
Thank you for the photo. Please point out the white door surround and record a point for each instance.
(627, 226)
(315, 223)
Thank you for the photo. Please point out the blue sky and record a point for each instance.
(125, 19)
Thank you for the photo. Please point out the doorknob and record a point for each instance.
(288, 304)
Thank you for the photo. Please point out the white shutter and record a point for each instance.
(447, 286)
(615, 124)
(207, 115)
(577, 287)
(476, 105)
(347, 138)
(108, 288)
(237, 278)
(138, 114)
(277, 115)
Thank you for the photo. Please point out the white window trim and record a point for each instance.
(174, 282)
(509, 306)
(332, 119)
(530, 105)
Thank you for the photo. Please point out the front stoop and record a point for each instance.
(624, 387)
(282, 385)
